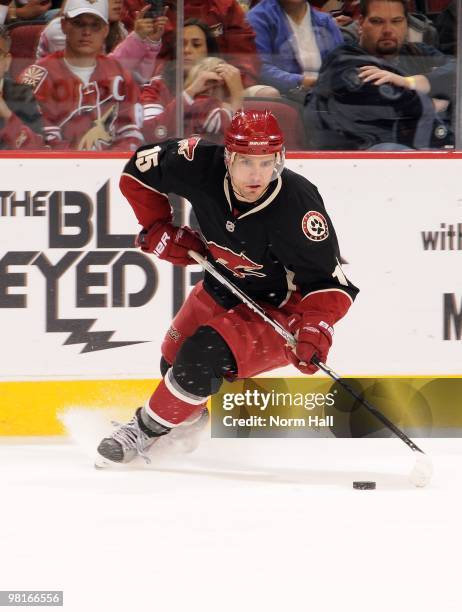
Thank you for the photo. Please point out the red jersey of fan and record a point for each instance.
(204, 115)
(95, 117)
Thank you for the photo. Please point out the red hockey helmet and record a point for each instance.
(254, 132)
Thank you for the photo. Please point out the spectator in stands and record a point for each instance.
(88, 101)
(419, 27)
(135, 52)
(212, 93)
(213, 90)
(226, 20)
(380, 91)
(20, 119)
(198, 43)
(200, 106)
(425, 69)
(446, 27)
(30, 10)
(138, 52)
(292, 39)
(52, 38)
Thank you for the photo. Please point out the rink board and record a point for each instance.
(68, 271)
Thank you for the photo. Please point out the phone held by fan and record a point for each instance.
(157, 8)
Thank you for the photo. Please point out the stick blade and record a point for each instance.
(422, 471)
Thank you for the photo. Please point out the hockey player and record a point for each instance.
(267, 230)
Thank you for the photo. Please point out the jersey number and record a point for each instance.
(339, 275)
(147, 159)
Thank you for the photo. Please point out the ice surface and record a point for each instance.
(238, 525)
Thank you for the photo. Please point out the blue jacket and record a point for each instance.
(275, 44)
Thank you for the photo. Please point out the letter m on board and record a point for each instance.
(452, 317)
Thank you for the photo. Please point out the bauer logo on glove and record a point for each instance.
(162, 244)
(171, 243)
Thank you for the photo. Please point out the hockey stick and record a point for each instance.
(422, 471)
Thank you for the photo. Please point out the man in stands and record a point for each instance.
(89, 103)
(382, 91)
(20, 118)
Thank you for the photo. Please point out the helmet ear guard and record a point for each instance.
(279, 165)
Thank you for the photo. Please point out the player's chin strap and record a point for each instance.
(291, 341)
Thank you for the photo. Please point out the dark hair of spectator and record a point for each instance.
(169, 72)
(114, 36)
(364, 5)
(212, 46)
(5, 35)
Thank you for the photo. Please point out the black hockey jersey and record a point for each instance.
(283, 242)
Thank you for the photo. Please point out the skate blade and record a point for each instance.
(101, 463)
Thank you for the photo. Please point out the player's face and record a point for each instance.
(383, 30)
(5, 57)
(194, 46)
(251, 175)
(85, 35)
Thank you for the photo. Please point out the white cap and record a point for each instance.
(92, 7)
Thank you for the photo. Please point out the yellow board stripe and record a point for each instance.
(31, 408)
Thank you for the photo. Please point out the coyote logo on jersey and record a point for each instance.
(101, 132)
(237, 263)
(187, 147)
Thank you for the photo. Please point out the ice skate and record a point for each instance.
(130, 440)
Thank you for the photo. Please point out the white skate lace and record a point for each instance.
(131, 436)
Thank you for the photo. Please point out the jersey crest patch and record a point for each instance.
(314, 226)
(34, 76)
(237, 263)
(187, 147)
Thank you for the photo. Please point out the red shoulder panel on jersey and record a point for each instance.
(149, 205)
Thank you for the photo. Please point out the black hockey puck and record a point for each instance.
(364, 484)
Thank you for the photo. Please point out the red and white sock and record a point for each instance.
(170, 405)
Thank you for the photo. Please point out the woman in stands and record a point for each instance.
(292, 39)
(212, 90)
